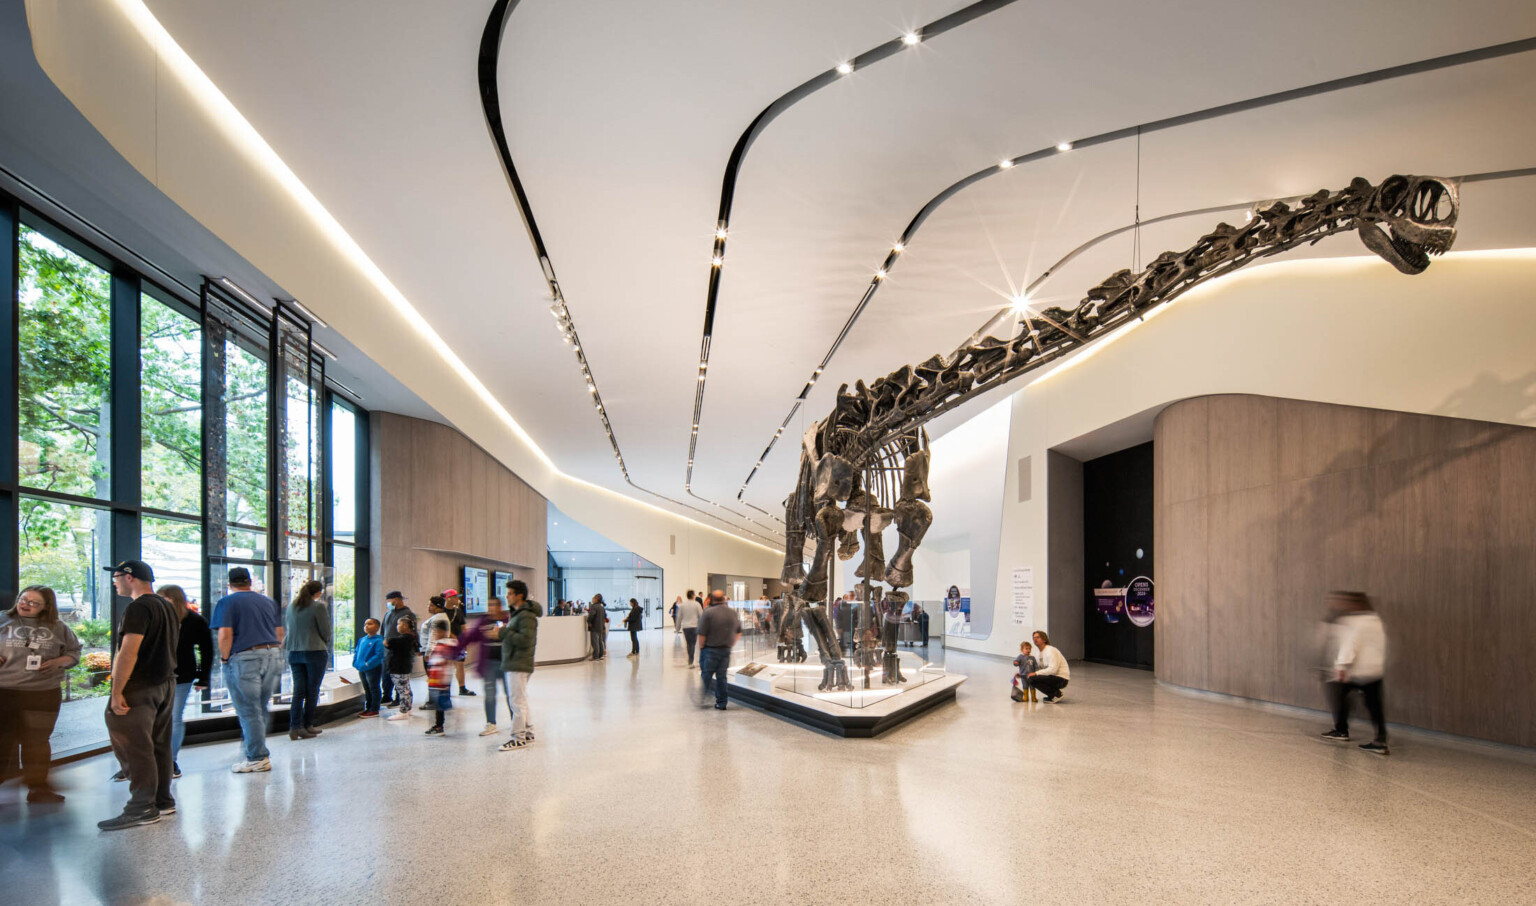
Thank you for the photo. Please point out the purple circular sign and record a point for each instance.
(1138, 601)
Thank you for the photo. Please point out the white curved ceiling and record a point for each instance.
(621, 118)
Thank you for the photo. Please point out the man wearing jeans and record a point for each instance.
(250, 629)
(143, 687)
(719, 628)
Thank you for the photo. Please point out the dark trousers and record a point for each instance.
(634, 641)
(386, 687)
(27, 717)
(690, 637)
(370, 680)
(1049, 686)
(308, 670)
(141, 740)
(599, 643)
(1338, 696)
(712, 664)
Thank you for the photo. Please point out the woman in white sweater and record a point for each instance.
(1053, 674)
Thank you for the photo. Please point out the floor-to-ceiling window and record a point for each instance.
(155, 421)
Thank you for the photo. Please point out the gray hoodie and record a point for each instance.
(23, 636)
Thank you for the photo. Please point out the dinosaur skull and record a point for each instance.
(1419, 212)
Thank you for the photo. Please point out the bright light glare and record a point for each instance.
(1064, 146)
(1020, 304)
(911, 38)
(1004, 164)
(844, 68)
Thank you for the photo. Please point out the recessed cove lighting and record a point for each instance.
(844, 68)
(911, 38)
(1064, 146)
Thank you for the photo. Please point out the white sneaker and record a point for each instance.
(490, 730)
(252, 767)
(399, 715)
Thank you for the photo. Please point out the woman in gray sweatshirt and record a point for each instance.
(36, 647)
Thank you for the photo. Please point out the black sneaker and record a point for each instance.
(166, 810)
(434, 731)
(1336, 736)
(464, 691)
(44, 796)
(120, 776)
(1376, 748)
(125, 821)
(175, 771)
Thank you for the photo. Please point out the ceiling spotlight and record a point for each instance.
(1005, 163)
(880, 274)
(911, 38)
(717, 261)
(898, 248)
(591, 388)
(844, 68)
(1064, 146)
(1020, 304)
(720, 233)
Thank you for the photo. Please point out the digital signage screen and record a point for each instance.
(475, 580)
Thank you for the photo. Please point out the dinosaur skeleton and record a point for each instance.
(865, 466)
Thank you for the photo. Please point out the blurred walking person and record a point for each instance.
(1357, 643)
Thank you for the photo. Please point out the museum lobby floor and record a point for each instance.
(1128, 792)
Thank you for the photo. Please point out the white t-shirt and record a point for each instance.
(688, 614)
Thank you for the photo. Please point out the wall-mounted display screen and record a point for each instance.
(475, 580)
(499, 587)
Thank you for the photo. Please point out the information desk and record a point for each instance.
(562, 640)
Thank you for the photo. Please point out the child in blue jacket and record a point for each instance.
(368, 659)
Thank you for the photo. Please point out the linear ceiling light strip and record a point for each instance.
(490, 102)
(1380, 75)
(733, 169)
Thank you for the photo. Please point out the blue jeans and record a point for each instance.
(252, 676)
(370, 681)
(308, 670)
(712, 664)
(178, 727)
(494, 675)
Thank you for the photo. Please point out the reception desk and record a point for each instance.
(562, 640)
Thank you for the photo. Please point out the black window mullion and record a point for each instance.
(10, 426)
(125, 454)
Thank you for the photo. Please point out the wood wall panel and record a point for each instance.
(444, 503)
(1435, 518)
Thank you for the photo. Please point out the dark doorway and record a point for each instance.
(1117, 547)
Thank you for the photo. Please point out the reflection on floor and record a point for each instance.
(1125, 793)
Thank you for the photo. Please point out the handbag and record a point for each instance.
(1017, 693)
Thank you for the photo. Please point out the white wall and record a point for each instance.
(216, 168)
(1458, 340)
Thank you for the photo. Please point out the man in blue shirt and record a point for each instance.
(250, 633)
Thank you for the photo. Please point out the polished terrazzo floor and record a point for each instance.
(1129, 792)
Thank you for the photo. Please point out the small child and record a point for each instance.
(402, 655)
(368, 659)
(440, 675)
(1027, 664)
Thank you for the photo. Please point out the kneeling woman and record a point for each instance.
(1051, 677)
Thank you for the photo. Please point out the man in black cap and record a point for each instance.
(250, 635)
(143, 688)
(397, 611)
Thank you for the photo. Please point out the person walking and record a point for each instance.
(597, 627)
(36, 648)
(676, 629)
(518, 639)
(395, 602)
(485, 634)
(688, 615)
(250, 638)
(1052, 674)
(719, 628)
(307, 640)
(138, 713)
(457, 620)
(632, 623)
(1359, 644)
(437, 615)
(368, 661)
(194, 664)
